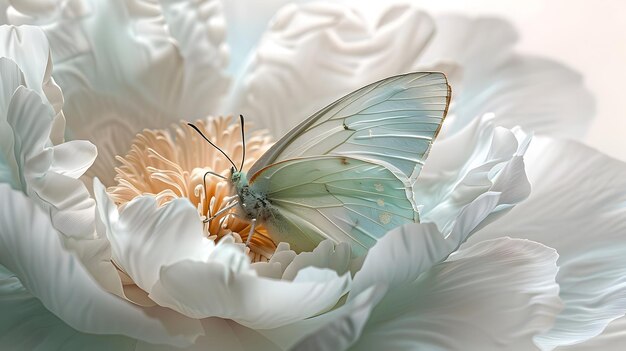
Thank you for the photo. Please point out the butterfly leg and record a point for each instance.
(221, 211)
(251, 233)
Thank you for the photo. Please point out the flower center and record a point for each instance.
(174, 164)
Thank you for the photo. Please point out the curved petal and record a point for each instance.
(611, 339)
(73, 158)
(221, 334)
(280, 260)
(327, 254)
(286, 79)
(405, 253)
(255, 302)
(401, 256)
(29, 121)
(246, 22)
(95, 256)
(313, 53)
(490, 159)
(164, 251)
(4, 4)
(578, 207)
(25, 324)
(28, 47)
(538, 94)
(466, 41)
(344, 325)
(491, 295)
(11, 78)
(129, 65)
(145, 238)
(30, 248)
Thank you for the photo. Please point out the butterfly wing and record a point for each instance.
(392, 121)
(337, 197)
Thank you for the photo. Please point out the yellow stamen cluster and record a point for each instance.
(173, 164)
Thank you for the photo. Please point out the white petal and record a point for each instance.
(344, 325)
(246, 22)
(275, 267)
(73, 158)
(255, 302)
(491, 161)
(125, 66)
(488, 76)
(611, 339)
(467, 41)
(95, 256)
(577, 207)
(145, 238)
(4, 4)
(12, 78)
(221, 334)
(25, 324)
(31, 120)
(314, 53)
(493, 295)
(408, 251)
(325, 255)
(31, 105)
(401, 256)
(70, 206)
(165, 252)
(30, 248)
(199, 29)
(29, 49)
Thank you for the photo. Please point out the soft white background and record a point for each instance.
(587, 35)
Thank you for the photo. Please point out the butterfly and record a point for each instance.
(347, 172)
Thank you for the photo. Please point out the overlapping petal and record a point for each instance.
(31, 248)
(611, 339)
(487, 159)
(247, 22)
(32, 161)
(129, 65)
(221, 334)
(314, 53)
(487, 76)
(164, 251)
(26, 324)
(577, 206)
(492, 295)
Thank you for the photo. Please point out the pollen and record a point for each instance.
(379, 187)
(170, 164)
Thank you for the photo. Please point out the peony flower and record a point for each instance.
(131, 265)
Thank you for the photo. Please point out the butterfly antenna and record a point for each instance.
(243, 141)
(211, 173)
(215, 146)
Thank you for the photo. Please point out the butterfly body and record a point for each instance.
(252, 204)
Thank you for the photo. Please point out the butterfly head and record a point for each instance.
(238, 178)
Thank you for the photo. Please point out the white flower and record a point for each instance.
(145, 275)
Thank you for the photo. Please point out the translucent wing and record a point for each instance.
(336, 197)
(393, 121)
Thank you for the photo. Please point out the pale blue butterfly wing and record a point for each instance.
(378, 135)
(393, 121)
(336, 197)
